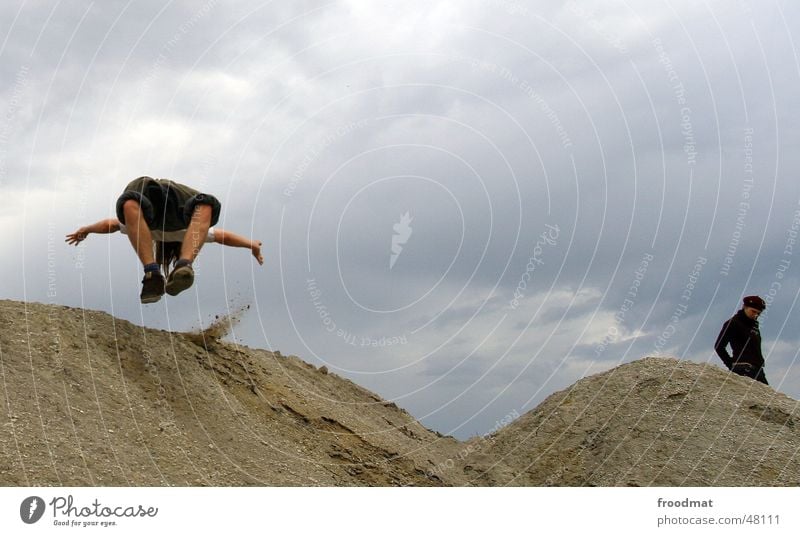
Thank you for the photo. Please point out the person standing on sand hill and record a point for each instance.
(742, 333)
(167, 224)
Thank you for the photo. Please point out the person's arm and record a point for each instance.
(721, 345)
(110, 225)
(228, 238)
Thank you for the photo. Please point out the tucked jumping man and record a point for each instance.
(167, 224)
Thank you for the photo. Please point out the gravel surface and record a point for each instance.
(90, 400)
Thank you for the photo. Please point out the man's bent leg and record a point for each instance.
(138, 232)
(196, 232)
(142, 241)
(182, 277)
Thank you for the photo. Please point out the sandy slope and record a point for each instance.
(653, 422)
(92, 400)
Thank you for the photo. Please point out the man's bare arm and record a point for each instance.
(228, 238)
(110, 225)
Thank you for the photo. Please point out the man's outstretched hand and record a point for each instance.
(256, 249)
(73, 239)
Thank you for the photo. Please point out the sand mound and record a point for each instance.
(653, 422)
(93, 400)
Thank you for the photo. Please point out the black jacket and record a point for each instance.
(745, 339)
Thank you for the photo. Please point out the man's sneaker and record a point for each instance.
(180, 279)
(152, 287)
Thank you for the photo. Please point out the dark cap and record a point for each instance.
(755, 302)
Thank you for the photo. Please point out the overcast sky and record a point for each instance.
(582, 184)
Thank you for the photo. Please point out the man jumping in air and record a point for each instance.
(167, 224)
